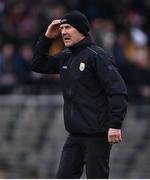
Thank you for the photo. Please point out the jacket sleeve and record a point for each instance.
(41, 61)
(115, 88)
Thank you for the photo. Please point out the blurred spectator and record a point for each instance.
(120, 27)
(22, 64)
(104, 33)
(7, 76)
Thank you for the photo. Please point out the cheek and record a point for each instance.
(74, 38)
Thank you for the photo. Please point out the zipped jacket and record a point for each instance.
(95, 95)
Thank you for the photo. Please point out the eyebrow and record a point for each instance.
(62, 27)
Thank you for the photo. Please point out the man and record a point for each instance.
(95, 96)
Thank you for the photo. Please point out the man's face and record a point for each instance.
(70, 35)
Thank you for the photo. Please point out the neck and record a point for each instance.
(86, 41)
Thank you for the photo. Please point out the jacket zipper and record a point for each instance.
(70, 91)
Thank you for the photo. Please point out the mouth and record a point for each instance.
(66, 38)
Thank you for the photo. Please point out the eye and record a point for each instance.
(61, 28)
(67, 27)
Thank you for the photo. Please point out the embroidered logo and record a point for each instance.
(82, 66)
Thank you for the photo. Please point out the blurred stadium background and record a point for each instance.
(31, 120)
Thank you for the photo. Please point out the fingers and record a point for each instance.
(114, 140)
(55, 22)
(114, 136)
(54, 25)
(53, 29)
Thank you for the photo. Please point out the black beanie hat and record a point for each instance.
(77, 20)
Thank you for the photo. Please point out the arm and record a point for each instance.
(41, 62)
(116, 91)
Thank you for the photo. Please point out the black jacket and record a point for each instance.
(95, 95)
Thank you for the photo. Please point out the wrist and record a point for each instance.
(48, 36)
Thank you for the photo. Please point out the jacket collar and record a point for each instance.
(81, 44)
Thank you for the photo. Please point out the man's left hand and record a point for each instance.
(114, 135)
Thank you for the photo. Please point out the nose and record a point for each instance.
(63, 31)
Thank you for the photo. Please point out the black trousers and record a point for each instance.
(79, 150)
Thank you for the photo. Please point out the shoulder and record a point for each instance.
(101, 55)
(98, 51)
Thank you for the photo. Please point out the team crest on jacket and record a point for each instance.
(82, 66)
